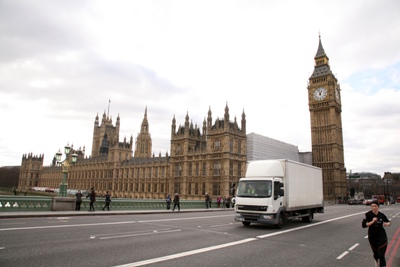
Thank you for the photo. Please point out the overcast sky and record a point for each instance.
(61, 62)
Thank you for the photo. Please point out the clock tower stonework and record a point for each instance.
(324, 101)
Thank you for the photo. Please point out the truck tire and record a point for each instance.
(281, 221)
(246, 223)
(309, 218)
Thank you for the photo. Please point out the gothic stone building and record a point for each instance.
(208, 159)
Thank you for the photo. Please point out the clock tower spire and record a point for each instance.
(326, 126)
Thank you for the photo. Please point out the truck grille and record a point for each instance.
(252, 208)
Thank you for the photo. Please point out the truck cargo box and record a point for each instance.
(302, 182)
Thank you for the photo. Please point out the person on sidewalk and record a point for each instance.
(375, 221)
(223, 202)
(176, 202)
(92, 198)
(207, 200)
(78, 200)
(108, 200)
(219, 201)
(168, 200)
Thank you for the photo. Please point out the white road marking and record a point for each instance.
(191, 218)
(105, 236)
(347, 252)
(343, 254)
(307, 226)
(12, 223)
(110, 223)
(353, 247)
(140, 234)
(64, 226)
(221, 225)
(187, 253)
(197, 251)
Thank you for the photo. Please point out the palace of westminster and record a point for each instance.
(208, 159)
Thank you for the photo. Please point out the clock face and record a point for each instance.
(320, 93)
(337, 94)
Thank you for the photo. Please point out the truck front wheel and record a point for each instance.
(246, 223)
(281, 221)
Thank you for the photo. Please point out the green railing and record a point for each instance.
(44, 203)
(25, 203)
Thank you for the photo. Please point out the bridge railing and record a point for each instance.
(10, 203)
(25, 203)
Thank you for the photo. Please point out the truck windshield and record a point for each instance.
(254, 188)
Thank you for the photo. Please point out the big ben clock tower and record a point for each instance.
(324, 101)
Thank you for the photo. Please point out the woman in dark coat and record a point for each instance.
(108, 200)
(176, 202)
(92, 198)
(375, 221)
(78, 200)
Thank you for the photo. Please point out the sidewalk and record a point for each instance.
(29, 214)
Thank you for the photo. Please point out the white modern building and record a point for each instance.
(261, 148)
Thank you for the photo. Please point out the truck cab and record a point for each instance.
(260, 200)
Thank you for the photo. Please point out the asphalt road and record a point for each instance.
(334, 238)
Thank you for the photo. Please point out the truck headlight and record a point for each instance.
(238, 217)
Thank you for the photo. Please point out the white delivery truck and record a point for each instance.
(275, 191)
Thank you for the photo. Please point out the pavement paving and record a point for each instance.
(29, 214)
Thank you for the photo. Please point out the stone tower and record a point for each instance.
(324, 101)
(31, 167)
(106, 140)
(143, 141)
(104, 130)
(208, 159)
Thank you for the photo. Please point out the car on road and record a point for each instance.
(352, 201)
(369, 201)
(360, 201)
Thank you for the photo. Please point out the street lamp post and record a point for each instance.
(65, 164)
(387, 193)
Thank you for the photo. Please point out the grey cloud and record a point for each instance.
(34, 28)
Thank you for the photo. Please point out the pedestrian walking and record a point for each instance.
(108, 201)
(207, 200)
(168, 201)
(375, 221)
(78, 200)
(219, 202)
(224, 202)
(176, 202)
(92, 197)
(228, 202)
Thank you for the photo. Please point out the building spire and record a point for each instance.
(145, 123)
(108, 111)
(321, 51)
